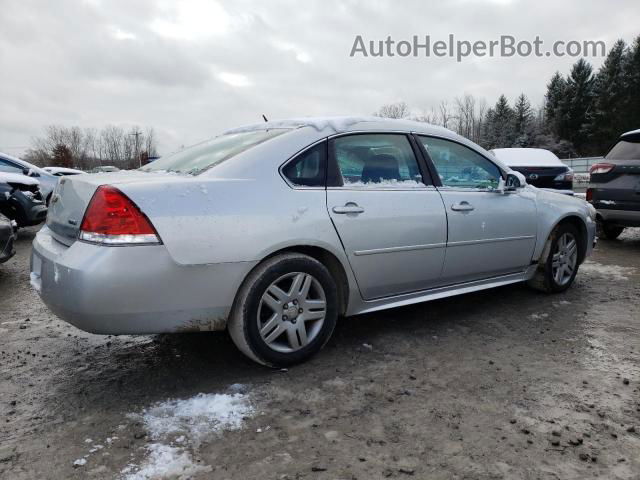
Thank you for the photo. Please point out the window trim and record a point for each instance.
(333, 171)
(293, 157)
(434, 171)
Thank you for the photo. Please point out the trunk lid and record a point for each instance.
(73, 194)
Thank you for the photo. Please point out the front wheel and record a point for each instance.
(558, 266)
(285, 311)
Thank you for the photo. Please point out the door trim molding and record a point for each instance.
(406, 248)
(489, 240)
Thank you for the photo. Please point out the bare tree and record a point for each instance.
(445, 114)
(87, 148)
(393, 110)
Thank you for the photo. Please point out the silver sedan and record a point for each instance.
(274, 230)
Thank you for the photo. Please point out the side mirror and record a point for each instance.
(514, 181)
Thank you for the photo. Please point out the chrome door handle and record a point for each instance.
(348, 208)
(462, 207)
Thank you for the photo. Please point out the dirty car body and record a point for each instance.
(397, 212)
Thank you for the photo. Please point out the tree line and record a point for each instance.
(86, 148)
(582, 113)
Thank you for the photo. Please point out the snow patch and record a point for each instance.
(34, 280)
(616, 272)
(198, 416)
(389, 183)
(80, 462)
(178, 426)
(165, 461)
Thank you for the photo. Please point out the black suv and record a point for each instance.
(614, 187)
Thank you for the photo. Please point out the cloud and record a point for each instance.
(193, 68)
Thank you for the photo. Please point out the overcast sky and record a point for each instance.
(193, 68)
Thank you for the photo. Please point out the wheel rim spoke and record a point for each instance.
(278, 293)
(296, 285)
(292, 335)
(274, 334)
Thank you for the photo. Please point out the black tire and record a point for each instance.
(609, 232)
(543, 280)
(244, 324)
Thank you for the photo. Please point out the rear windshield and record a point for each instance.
(627, 149)
(200, 157)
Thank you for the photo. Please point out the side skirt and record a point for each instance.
(441, 292)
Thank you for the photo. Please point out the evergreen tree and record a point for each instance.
(502, 124)
(554, 97)
(577, 104)
(608, 116)
(523, 122)
(631, 96)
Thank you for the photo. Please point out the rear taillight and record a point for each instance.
(589, 195)
(113, 219)
(565, 177)
(599, 168)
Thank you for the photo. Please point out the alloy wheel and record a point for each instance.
(565, 259)
(292, 311)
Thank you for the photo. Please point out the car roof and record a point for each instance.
(35, 168)
(632, 132)
(526, 157)
(334, 125)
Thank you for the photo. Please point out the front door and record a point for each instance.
(489, 233)
(389, 217)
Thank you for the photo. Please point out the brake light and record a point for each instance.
(600, 168)
(589, 195)
(112, 218)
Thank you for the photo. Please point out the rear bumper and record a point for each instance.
(623, 218)
(132, 290)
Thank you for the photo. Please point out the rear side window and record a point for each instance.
(200, 157)
(308, 169)
(376, 161)
(459, 166)
(627, 149)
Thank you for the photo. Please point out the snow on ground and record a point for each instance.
(178, 426)
(165, 461)
(614, 271)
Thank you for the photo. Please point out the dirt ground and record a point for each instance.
(506, 383)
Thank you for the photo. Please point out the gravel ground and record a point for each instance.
(507, 383)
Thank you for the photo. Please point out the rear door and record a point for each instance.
(389, 216)
(489, 233)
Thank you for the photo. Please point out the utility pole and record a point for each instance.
(137, 135)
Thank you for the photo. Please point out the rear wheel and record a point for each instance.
(609, 232)
(285, 311)
(558, 265)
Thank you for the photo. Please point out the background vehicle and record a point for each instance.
(278, 228)
(614, 187)
(104, 169)
(47, 181)
(61, 171)
(7, 236)
(540, 167)
(21, 199)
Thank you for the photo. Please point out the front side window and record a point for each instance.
(376, 161)
(459, 166)
(308, 169)
(200, 157)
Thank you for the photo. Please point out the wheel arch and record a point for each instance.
(577, 222)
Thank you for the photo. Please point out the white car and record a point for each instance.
(46, 180)
(542, 168)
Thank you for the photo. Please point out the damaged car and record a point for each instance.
(273, 230)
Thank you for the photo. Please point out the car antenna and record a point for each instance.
(265, 118)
